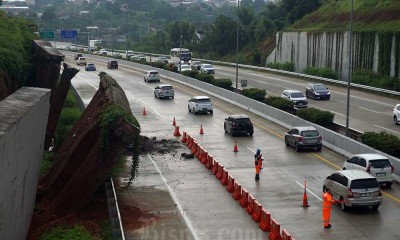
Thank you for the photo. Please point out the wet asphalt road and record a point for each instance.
(211, 212)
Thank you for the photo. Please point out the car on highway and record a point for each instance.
(103, 52)
(162, 59)
(396, 114)
(238, 124)
(200, 104)
(138, 57)
(377, 165)
(354, 188)
(81, 61)
(129, 54)
(317, 91)
(297, 97)
(184, 68)
(90, 67)
(151, 76)
(303, 137)
(78, 55)
(195, 65)
(207, 68)
(112, 64)
(164, 91)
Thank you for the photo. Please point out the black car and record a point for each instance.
(317, 91)
(77, 56)
(112, 64)
(238, 124)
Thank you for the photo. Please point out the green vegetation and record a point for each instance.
(16, 49)
(205, 77)
(225, 83)
(382, 141)
(369, 78)
(75, 233)
(280, 103)
(47, 162)
(287, 66)
(368, 16)
(321, 72)
(255, 93)
(320, 117)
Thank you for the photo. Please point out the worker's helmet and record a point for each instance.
(258, 150)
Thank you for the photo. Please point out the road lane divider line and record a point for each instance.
(391, 196)
(386, 129)
(326, 161)
(366, 109)
(175, 199)
(308, 190)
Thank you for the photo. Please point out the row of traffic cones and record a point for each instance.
(235, 149)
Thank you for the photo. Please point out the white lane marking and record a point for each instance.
(386, 129)
(337, 113)
(251, 150)
(308, 190)
(174, 197)
(215, 125)
(158, 113)
(84, 79)
(368, 110)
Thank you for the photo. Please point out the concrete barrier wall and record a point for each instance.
(23, 121)
(333, 140)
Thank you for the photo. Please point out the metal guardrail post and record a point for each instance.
(113, 211)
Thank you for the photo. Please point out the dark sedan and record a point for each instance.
(317, 91)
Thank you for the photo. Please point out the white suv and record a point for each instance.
(151, 76)
(375, 164)
(297, 97)
(396, 114)
(200, 104)
(81, 61)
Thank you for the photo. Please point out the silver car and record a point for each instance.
(297, 97)
(164, 91)
(354, 188)
(303, 137)
(151, 76)
(396, 114)
(375, 164)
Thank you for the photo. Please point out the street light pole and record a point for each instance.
(151, 49)
(180, 38)
(350, 69)
(237, 45)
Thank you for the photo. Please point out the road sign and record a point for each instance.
(46, 34)
(69, 34)
(243, 83)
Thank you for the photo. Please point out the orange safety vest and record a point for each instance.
(328, 200)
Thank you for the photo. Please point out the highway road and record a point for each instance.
(281, 188)
(368, 111)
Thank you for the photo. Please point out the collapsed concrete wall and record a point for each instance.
(331, 50)
(23, 120)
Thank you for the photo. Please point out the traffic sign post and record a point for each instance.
(69, 34)
(46, 34)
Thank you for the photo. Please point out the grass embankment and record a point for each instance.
(368, 16)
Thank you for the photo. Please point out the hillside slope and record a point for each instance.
(368, 15)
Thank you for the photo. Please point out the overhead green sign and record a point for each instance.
(46, 34)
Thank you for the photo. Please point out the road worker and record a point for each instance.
(258, 163)
(326, 207)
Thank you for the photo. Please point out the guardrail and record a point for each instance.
(113, 211)
(287, 73)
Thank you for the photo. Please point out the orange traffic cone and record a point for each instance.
(144, 112)
(177, 133)
(235, 148)
(184, 139)
(201, 129)
(305, 201)
(173, 122)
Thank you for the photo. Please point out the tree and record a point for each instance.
(222, 39)
(259, 5)
(246, 15)
(49, 14)
(175, 33)
(246, 3)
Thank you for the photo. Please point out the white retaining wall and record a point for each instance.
(23, 121)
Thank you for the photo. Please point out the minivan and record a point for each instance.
(354, 188)
(303, 137)
(375, 164)
(238, 124)
(164, 91)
